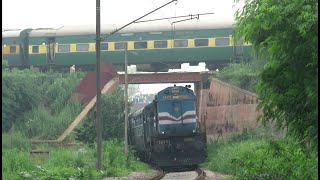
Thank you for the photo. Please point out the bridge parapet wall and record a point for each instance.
(229, 109)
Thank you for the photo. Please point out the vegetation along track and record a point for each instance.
(197, 174)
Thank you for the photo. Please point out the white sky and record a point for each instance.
(56, 13)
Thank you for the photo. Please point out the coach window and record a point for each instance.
(222, 41)
(120, 45)
(63, 48)
(160, 44)
(13, 49)
(82, 47)
(104, 46)
(180, 43)
(35, 49)
(201, 42)
(140, 45)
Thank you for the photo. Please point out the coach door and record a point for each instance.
(51, 50)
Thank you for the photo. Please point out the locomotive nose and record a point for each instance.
(179, 146)
(199, 145)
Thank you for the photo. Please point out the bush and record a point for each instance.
(112, 107)
(42, 124)
(20, 93)
(254, 157)
(243, 75)
(24, 91)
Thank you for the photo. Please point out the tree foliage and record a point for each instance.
(112, 117)
(243, 75)
(285, 33)
(24, 91)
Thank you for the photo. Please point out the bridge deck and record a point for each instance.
(148, 78)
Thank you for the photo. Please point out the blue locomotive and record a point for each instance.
(167, 132)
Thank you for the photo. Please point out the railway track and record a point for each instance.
(197, 174)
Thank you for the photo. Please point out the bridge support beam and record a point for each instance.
(152, 78)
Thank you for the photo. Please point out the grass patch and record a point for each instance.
(264, 157)
(42, 124)
(16, 140)
(77, 162)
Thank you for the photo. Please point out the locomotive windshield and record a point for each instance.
(176, 111)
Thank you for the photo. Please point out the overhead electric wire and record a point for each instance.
(190, 15)
(161, 11)
(116, 30)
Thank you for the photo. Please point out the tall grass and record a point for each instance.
(121, 164)
(14, 162)
(264, 157)
(42, 124)
(76, 162)
(15, 140)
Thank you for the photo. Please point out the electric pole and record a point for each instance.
(126, 101)
(98, 100)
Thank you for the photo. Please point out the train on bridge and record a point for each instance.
(167, 131)
(153, 46)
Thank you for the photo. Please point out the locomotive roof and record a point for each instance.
(139, 111)
(138, 27)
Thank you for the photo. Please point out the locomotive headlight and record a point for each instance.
(194, 131)
(162, 132)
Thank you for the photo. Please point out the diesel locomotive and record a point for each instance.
(167, 131)
(153, 47)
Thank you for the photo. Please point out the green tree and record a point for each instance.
(112, 117)
(285, 33)
(243, 75)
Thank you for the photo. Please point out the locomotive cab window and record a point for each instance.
(13, 49)
(63, 48)
(160, 44)
(35, 49)
(120, 45)
(140, 45)
(201, 42)
(222, 41)
(180, 43)
(82, 47)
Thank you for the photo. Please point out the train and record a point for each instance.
(167, 132)
(152, 47)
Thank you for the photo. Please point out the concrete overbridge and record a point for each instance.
(149, 78)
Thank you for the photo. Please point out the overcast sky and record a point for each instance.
(57, 13)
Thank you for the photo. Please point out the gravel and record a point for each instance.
(135, 176)
(145, 176)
